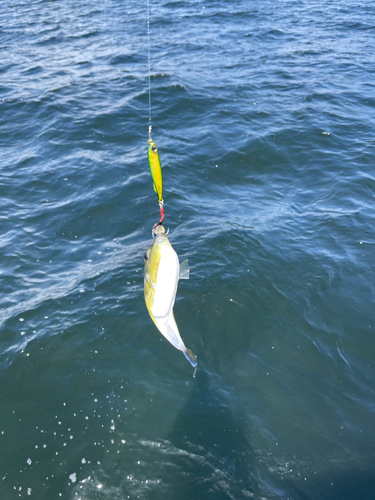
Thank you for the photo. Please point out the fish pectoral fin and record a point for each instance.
(184, 270)
(150, 283)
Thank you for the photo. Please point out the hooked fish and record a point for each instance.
(162, 272)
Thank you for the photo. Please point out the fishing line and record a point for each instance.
(153, 156)
(149, 70)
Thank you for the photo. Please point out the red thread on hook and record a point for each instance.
(162, 216)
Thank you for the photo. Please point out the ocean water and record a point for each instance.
(264, 117)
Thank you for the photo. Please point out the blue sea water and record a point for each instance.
(264, 117)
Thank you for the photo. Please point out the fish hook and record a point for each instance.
(161, 206)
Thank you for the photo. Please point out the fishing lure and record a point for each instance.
(155, 169)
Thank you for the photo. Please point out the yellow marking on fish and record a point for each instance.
(151, 272)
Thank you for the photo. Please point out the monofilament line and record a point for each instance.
(149, 69)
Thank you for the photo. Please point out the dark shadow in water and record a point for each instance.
(344, 485)
(209, 457)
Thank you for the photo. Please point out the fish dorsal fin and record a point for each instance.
(184, 270)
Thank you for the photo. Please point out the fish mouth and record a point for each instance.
(158, 230)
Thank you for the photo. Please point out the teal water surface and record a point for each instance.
(264, 119)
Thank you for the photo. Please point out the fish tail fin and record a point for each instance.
(191, 357)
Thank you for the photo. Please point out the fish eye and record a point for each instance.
(146, 256)
(154, 149)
